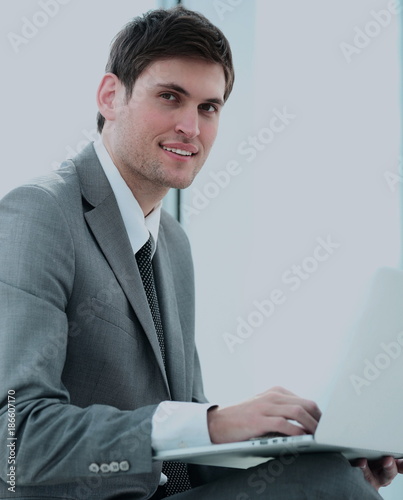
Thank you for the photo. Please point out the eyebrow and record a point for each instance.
(181, 90)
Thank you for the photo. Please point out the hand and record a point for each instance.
(379, 472)
(270, 411)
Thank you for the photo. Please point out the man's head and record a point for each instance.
(159, 103)
(164, 34)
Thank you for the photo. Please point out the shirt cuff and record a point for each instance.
(180, 425)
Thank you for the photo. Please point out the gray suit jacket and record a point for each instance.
(77, 339)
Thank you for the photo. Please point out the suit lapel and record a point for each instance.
(175, 353)
(108, 228)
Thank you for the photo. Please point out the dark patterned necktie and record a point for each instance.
(143, 257)
(178, 477)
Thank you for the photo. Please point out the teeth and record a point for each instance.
(178, 151)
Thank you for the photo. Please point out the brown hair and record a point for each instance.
(161, 34)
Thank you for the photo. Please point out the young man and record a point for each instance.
(97, 346)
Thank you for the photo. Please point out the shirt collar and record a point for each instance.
(137, 226)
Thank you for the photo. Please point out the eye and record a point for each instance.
(168, 96)
(210, 108)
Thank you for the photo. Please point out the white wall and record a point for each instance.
(323, 175)
(49, 81)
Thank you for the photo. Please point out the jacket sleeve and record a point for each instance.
(55, 440)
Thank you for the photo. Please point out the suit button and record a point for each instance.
(94, 468)
(124, 466)
(105, 468)
(114, 467)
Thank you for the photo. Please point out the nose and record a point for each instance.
(187, 123)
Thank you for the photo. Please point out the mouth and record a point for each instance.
(180, 152)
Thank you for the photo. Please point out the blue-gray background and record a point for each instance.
(334, 171)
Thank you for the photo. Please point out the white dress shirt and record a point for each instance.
(137, 226)
(174, 424)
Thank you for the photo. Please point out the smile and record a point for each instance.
(178, 151)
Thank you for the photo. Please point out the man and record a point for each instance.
(97, 347)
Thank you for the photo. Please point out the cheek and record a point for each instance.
(138, 133)
(143, 119)
(155, 121)
(209, 137)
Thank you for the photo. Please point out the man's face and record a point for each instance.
(162, 136)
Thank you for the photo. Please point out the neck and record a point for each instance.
(148, 199)
(147, 194)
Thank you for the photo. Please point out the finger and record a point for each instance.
(281, 396)
(312, 408)
(378, 472)
(277, 390)
(368, 475)
(298, 414)
(283, 426)
(388, 471)
(399, 465)
(304, 411)
(358, 462)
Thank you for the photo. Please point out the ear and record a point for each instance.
(107, 95)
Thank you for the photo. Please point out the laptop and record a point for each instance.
(364, 413)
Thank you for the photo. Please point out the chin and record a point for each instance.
(180, 183)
